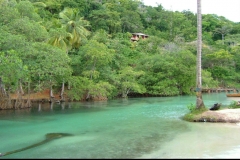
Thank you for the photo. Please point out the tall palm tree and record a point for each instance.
(199, 101)
(75, 25)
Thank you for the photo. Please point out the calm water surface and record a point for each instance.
(123, 128)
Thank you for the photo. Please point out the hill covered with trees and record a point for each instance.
(83, 48)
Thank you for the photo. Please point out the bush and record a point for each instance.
(193, 112)
(191, 107)
(233, 105)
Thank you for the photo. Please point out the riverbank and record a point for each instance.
(224, 116)
(43, 96)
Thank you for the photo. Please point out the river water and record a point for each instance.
(123, 128)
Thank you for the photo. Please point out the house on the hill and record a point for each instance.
(137, 36)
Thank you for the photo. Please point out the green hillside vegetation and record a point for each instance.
(83, 49)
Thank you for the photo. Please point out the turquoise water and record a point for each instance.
(123, 128)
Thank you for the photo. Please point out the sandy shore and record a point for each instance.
(225, 115)
(222, 115)
(203, 140)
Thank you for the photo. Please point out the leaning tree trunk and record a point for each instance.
(199, 100)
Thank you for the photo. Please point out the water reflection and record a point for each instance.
(39, 106)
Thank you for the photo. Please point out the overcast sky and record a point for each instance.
(230, 9)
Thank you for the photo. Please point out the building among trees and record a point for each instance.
(137, 36)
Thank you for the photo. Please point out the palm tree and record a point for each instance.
(75, 25)
(199, 101)
(58, 38)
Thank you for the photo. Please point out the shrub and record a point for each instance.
(191, 107)
(193, 112)
(233, 105)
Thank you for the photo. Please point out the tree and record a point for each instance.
(26, 9)
(95, 56)
(127, 81)
(168, 74)
(199, 101)
(131, 22)
(223, 31)
(12, 71)
(75, 25)
(58, 39)
(220, 65)
(49, 64)
(105, 19)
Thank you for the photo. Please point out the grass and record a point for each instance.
(193, 112)
(234, 105)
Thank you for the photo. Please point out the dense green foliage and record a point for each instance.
(86, 46)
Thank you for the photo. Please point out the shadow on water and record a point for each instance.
(48, 137)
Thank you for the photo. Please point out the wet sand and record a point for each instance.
(217, 140)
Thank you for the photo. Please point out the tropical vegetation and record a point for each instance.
(85, 46)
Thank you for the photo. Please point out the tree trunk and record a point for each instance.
(21, 88)
(62, 98)
(19, 103)
(51, 93)
(125, 93)
(8, 98)
(2, 87)
(28, 104)
(199, 100)
(5, 100)
(91, 77)
(69, 85)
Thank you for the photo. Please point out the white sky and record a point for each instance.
(230, 9)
